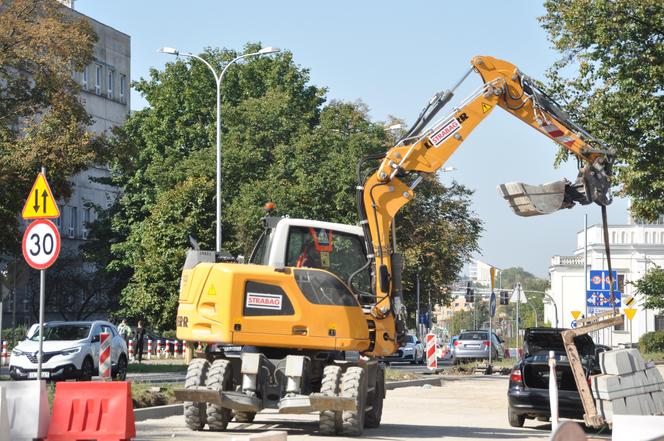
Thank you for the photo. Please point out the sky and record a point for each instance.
(394, 56)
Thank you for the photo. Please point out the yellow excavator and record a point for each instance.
(301, 326)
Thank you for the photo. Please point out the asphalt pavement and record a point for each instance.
(473, 408)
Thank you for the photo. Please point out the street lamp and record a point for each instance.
(218, 78)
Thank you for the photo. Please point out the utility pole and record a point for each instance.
(417, 310)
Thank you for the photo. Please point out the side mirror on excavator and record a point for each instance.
(384, 278)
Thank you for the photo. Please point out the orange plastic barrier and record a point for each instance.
(92, 410)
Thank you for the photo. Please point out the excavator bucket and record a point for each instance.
(533, 200)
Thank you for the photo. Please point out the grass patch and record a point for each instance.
(397, 375)
(136, 368)
(148, 395)
(655, 356)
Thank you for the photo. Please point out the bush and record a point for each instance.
(14, 335)
(652, 342)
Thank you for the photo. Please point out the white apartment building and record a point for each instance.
(635, 247)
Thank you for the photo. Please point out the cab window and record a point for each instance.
(340, 253)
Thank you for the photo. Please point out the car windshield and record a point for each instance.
(63, 332)
(411, 339)
(473, 336)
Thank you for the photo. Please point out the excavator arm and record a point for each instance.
(425, 150)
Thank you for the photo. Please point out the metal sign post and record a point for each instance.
(41, 243)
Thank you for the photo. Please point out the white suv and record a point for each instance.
(71, 351)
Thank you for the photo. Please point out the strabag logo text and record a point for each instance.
(264, 301)
(447, 130)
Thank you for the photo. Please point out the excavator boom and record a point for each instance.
(425, 150)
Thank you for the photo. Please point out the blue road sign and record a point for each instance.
(599, 280)
(492, 304)
(573, 324)
(597, 298)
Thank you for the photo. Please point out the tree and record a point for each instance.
(610, 78)
(282, 143)
(651, 285)
(533, 288)
(42, 121)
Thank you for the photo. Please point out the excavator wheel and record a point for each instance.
(219, 378)
(244, 417)
(329, 420)
(194, 413)
(373, 416)
(354, 385)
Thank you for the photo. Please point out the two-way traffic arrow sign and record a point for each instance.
(40, 203)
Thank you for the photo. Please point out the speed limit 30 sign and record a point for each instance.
(41, 244)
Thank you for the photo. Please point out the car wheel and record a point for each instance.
(121, 369)
(515, 419)
(87, 370)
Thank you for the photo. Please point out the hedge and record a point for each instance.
(652, 342)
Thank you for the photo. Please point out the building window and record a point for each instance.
(621, 327)
(73, 220)
(84, 80)
(86, 217)
(110, 84)
(98, 79)
(659, 323)
(123, 81)
(58, 220)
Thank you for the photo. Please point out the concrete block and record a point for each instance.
(272, 435)
(647, 404)
(618, 362)
(655, 377)
(637, 428)
(633, 404)
(608, 408)
(637, 359)
(4, 417)
(27, 409)
(658, 400)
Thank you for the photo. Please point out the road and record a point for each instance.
(468, 409)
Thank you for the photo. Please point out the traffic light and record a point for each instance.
(504, 298)
(470, 294)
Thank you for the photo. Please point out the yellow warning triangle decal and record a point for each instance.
(212, 291)
(40, 203)
(629, 312)
(486, 107)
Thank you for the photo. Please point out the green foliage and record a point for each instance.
(651, 285)
(14, 336)
(281, 143)
(652, 342)
(42, 120)
(610, 78)
(530, 283)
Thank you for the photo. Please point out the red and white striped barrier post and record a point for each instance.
(178, 349)
(131, 349)
(432, 360)
(158, 354)
(4, 357)
(105, 355)
(170, 349)
(149, 349)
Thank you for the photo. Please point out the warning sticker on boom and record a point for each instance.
(264, 301)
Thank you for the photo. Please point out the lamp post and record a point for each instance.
(218, 78)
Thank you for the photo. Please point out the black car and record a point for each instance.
(528, 392)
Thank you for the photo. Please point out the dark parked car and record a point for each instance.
(528, 392)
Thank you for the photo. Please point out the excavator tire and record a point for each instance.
(329, 420)
(194, 413)
(354, 385)
(244, 417)
(373, 416)
(219, 378)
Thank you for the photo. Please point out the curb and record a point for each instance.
(409, 383)
(158, 412)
